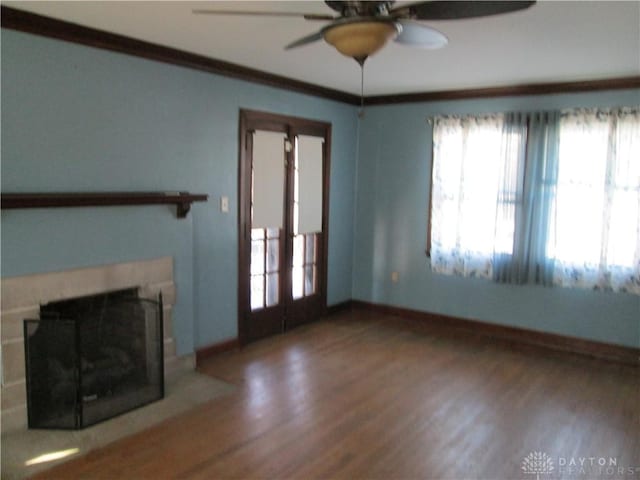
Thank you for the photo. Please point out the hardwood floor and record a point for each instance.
(361, 395)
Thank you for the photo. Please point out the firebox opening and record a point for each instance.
(91, 358)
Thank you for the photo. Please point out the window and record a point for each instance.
(475, 192)
(595, 219)
(544, 198)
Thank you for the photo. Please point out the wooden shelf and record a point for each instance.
(182, 200)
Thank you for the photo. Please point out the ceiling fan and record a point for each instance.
(364, 27)
(361, 28)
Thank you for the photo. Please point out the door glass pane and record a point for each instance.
(273, 246)
(310, 249)
(308, 280)
(273, 232)
(297, 282)
(257, 292)
(257, 257)
(272, 289)
(298, 250)
(268, 179)
(257, 233)
(309, 183)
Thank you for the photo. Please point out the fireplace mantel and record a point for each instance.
(182, 200)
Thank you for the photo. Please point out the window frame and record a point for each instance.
(517, 204)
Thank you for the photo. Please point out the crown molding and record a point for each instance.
(23, 21)
(621, 83)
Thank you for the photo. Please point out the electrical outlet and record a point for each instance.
(224, 204)
(395, 276)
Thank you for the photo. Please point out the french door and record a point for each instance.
(284, 171)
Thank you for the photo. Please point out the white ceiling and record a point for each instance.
(554, 41)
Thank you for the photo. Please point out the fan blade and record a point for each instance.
(306, 16)
(304, 40)
(453, 10)
(417, 35)
(337, 5)
(360, 8)
(317, 16)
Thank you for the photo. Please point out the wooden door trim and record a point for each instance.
(326, 177)
(250, 120)
(244, 189)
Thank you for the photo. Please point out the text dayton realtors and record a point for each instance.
(601, 465)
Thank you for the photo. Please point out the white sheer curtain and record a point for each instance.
(541, 197)
(477, 165)
(594, 231)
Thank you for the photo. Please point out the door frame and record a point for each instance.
(250, 120)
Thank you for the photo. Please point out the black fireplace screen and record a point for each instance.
(91, 358)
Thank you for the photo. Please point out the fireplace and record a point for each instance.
(91, 358)
(23, 296)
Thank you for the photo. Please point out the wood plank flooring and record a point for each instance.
(363, 395)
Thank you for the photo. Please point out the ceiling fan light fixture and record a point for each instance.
(361, 39)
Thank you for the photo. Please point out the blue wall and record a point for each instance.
(391, 227)
(80, 119)
(77, 118)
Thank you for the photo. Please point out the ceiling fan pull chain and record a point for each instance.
(361, 62)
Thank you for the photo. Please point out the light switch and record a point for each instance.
(224, 204)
